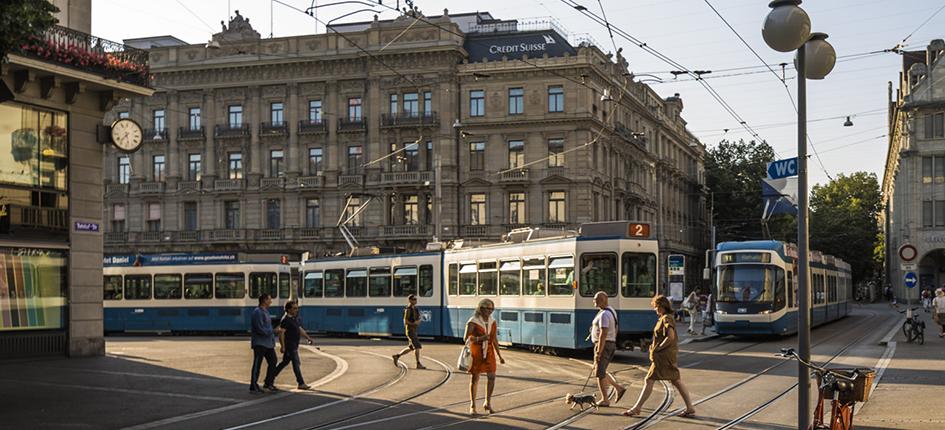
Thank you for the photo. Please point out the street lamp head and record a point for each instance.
(820, 57)
(848, 122)
(787, 26)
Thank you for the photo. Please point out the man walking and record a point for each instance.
(604, 336)
(412, 326)
(264, 344)
(289, 339)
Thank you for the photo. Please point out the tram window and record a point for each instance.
(779, 289)
(748, 283)
(561, 276)
(598, 273)
(426, 280)
(111, 285)
(334, 283)
(260, 283)
(312, 286)
(356, 283)
(454, 279)
(380, 282)
(467, 280)
(167, 287)
(138, 287)
(405, 281)
(637, 279)
(230, 286)
(510, 278)
(487, 278)
(832, 289)
(284, 287)
(198, 286)
(534, 274)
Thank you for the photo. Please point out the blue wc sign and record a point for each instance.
(911, 279)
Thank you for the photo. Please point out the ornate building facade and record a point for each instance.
(460, 126)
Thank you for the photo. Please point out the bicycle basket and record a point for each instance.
(861, 385)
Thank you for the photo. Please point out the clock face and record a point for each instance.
(126, 135)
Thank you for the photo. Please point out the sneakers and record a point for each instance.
(271, 388)
(304, 387)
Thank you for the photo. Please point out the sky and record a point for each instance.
(687, 31)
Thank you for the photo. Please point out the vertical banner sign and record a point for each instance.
(677, 276)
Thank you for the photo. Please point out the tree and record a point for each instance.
(843, 221)
(21, 20)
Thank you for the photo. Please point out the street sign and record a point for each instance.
(782, 168)
(910, 279)
(908, 267)
(907, 252)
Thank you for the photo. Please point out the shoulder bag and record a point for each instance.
(464, 361)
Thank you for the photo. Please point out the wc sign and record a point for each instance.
(782, 168)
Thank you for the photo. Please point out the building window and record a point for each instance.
(355, 155)
(477, 156)
(273, 213)
(312, 213)
(411, 104)
(429, 160)
(235, 166)
(154, 217)
(516, 153)
(411, 209)
(516, 208)
(354, 109)
(393, 104)
(159, 120)
(595, 206)
(926, 170)
(411, 157)
(939, 213)
(428, 213)
(516, 101)
(193, 167)
(555, 152)
(934, 125)
(158, 168)
(193, 116)
(927, 213)
(190, 216)
(124, 170)
(235, 118)
(124, 114)
(353, 204)
(556, 99)
(428, 102)
(477, 103)
(275, 163)
(276, 113)
(933, 169)
(119, 212)
(556, 207)
(315, 111)
(231, 215)
(315, 161)
(477, 209)
(395, 160)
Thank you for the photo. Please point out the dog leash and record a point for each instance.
(588, 378)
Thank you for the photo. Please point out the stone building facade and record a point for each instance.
(461, 126)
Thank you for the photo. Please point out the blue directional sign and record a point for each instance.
(911, 279)
(782, 168)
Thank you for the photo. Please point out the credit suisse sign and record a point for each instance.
(492, 47)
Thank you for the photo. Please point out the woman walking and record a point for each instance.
(938, 307)
(663, 352)
(480, 335)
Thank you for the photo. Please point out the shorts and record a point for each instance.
(413, 340)
(610, 347)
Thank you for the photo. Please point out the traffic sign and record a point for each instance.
(782, 168)
(907, 252)
(911, 279)
(908, 267)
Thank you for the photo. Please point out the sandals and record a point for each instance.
(620, 394)
(472, 411)
(488, 408)
(688, 413)
(631, 412)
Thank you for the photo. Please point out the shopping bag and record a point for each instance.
(464, 362)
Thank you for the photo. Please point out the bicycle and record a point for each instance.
(844, 387)
(912, 327)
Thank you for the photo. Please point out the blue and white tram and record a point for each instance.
(366, 295)
(756, 288)
(188, 292)
(539, 300)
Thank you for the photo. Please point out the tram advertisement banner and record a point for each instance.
(168, 259)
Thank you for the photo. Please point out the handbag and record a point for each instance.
(464, 362)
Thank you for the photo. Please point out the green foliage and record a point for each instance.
(22, 19)
(843, 222)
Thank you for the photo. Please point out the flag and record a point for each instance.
(780, 196)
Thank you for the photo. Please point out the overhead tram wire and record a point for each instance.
(903, 41)
(662, 57)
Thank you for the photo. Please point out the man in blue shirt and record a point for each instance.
(264, 344)
(289, 339)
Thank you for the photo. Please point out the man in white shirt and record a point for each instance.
(604, 336)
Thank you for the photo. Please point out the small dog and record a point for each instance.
(582, 401)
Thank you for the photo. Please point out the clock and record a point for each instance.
(126, 135)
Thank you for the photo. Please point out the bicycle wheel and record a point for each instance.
(905, 329)
(920, 335)
(910, 334)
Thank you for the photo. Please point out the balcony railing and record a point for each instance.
(116, 189)
(226, 235)
(413, 230)
(410, 119)
(82, 51)
(37, 217)
(272, 183)
(312, 181)
(228, 184)
(352, 124)
(189, 236)
(152, 236)
(410, 178)
(116, 237)
(188, 186)
(517, 175)
(231, 131)
(308, 233)
(348, 180)
(475, 231)
(270, 234)
(154, 134)
(150, 187)
(187, 133)
(312, 126)
(273, 129)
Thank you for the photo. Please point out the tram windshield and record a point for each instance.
(749, 283)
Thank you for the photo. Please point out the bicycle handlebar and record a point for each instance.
(789, 352)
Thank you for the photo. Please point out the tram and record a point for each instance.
(188, 292)
(756, 288)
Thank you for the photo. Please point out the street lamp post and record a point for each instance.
(787, 28)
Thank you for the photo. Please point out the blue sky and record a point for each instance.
(688, 31)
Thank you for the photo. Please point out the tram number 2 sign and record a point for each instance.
(636, 229)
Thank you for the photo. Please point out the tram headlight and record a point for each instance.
(766, 312)
(721, 312)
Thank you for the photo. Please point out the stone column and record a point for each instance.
(173, 121)
(331, 112)
(292, 119)
(209, 120)
(254, 116)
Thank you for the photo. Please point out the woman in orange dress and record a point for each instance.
(480, 335)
